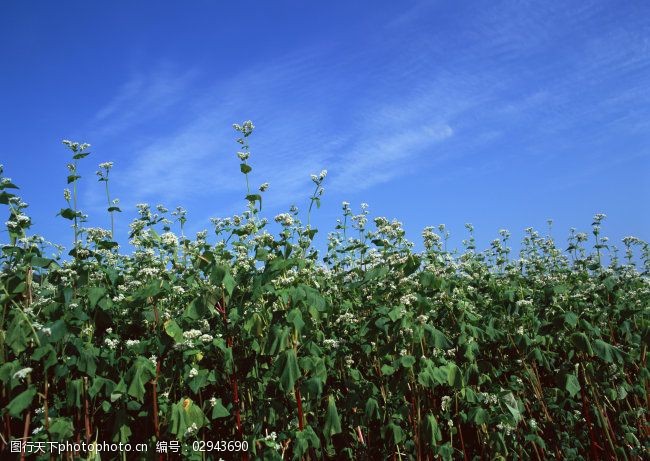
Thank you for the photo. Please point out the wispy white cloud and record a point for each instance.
(369, 117)
(144, 97)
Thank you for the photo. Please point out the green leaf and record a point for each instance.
(229, 283)
(412, 264)
(439, 339)
(581, 343)
(571, 319)
(454, 376)
(21, 402)
(288, 368)
(245, 168)
(332, 421)
(37, 261)
(61, 428)
(431, 431)
(8, 185)
(480, 416)
(255, 198)
(603, 350)
(94, 295)
(46, 355)
(572, 385)
(219, 411)
(173, 330)
(396, 431)
(183, 415)
(305, 439)
(68, 213)
(4, 197)
(512, 405)
(294, 317)
(138, 375)
(372, 409)
(407, 361)
(387, 370)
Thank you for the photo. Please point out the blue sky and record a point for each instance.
(502, 114)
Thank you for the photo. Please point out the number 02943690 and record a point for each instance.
(220, 445)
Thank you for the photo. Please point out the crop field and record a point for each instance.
(246, 344)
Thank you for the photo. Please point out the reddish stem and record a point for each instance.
(156, 424)
(593, 447)
(28, 419)
(87, 411)
(299, 402)
(221, 307)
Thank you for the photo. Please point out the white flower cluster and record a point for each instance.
(206, 338)
(346, 318)
(193, 429)
(285, 219)
(245, 128)
(169, 239)
(111, 343)
(193, 372)
(488, 398)
(17, 222)
(22, 374)
(333, 343)
(148, 272)
(444, 403)
(408, 299)
(75, 146)
(320, 177)
(507, 428)
(132, 342)
(191, 334)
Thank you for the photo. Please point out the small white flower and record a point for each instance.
(193, 372)
(191, 334)
(111, 343)
(22, 374)
(285, 219)
(205, 338)
(191, 430)
(169, 239)
(444, 404)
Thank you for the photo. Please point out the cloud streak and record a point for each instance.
(371, 117)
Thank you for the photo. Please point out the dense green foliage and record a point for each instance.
(371, 352)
